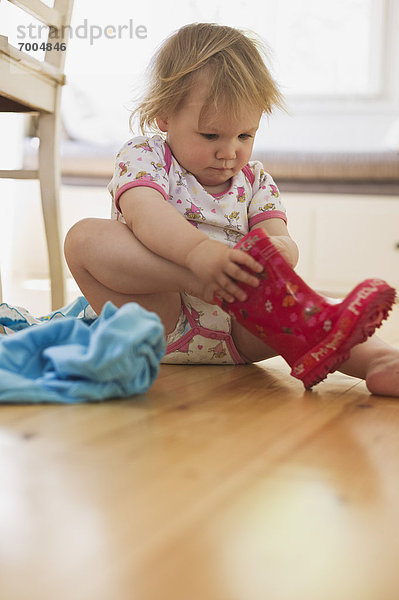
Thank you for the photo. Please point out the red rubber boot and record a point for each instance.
(314, 334)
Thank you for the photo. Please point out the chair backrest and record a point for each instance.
(58, 19)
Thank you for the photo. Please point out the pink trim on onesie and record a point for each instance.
(196, 329)
(248, 174)
(270, 214)
(146, 182)
(168, 158)
(138, 183)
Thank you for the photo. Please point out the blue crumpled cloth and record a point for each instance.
(73, 356)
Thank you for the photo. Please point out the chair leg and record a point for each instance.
(50, 183)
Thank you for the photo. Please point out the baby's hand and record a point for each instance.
(217, 266)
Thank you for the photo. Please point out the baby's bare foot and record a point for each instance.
(383, 374)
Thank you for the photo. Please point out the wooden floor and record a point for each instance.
(222, 483)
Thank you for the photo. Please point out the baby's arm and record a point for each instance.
(163, 230)
(277, 230)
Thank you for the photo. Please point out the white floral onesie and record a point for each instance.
(227, 216)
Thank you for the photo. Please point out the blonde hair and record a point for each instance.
(232, 60)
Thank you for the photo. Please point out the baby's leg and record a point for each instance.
(377, 363)
(109, 263)
(250, 347)
(374, 361)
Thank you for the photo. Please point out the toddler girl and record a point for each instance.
(184, 198)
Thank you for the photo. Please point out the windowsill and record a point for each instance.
(331, 166)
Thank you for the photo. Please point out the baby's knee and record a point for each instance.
(77, 238)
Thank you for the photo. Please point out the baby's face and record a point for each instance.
(215, 150)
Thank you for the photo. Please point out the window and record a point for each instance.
(330, 48)
(339, 56)
(319, 48)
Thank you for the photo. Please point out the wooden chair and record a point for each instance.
(29, 85)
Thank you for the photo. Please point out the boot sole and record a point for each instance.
(363, 311)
